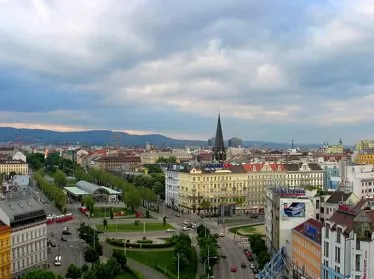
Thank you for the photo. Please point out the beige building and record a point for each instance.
(152, 157)
(17, 166)
(221, 187)
(125, 163)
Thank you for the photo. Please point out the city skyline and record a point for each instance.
(275, 71)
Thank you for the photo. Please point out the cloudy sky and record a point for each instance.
(275, 70)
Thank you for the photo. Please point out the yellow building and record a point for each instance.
(198, 187)
(364, 144)
(306, 249)
(5, 252)
(17, 166)
(365, 157)
(335, 149)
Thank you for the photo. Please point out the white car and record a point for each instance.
(194, 225)
(221, 234)
(185, 222)
(186, 229)
(170, 230)
(253, 266)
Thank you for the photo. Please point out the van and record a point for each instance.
(58, 261)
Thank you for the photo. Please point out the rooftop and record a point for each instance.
(17, 209)
(76, 191)
(338, 197)
(311, 228)
(21, 180)
(12, 162)
(91, 188)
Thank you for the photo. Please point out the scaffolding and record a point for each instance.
(277, 267)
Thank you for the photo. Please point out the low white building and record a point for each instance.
(347, 242)
(27, 220)
(358, 179)
(172, 188)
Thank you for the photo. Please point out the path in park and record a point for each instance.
(147, 272)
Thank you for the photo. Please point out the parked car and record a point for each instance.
(66, 232)
(63, 238)
(170, 230)
(223, 256)
(186, 228)
(250, 258)
(221, 234)
(243, 265)
(256, 271)
(185, 222)
(178, 215)
(253, 266)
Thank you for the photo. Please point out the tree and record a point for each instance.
(132, 198)
(89, 202)
(73, 272)
(35, 160)
(90, 255)
(60, 178)
(105, 223)
(119, 256)
(205, 205)
(158, 188)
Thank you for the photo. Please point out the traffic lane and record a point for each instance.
(235, 256)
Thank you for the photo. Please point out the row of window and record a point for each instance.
(29, 261)
(29, 248)
(29, 235)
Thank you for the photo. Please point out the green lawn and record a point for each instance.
(163, 258)
(132, 228)
(248, 230)
(125, 275)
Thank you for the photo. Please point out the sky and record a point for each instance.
(274, 70)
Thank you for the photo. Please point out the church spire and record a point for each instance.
(219, 147)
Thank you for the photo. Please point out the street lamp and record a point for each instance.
(178, 265)
(208, 264)
(209, 255)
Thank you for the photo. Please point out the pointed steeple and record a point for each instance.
(219, 147)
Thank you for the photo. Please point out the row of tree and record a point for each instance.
(53, 192)
(94, 249)
(208, 248)
(183, 250)
(259, 248)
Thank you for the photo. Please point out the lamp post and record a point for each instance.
(178, 265)
(209, 255)
(208, 264)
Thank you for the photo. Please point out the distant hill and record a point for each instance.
(104, 137)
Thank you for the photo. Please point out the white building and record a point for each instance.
(18, 155)
(285, 209)
(27, 220)
(358, 179)
(172, 188)
(347, 242)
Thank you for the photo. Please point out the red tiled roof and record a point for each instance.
(343, 218)
(119, 159)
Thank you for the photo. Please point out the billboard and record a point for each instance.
(293, 209)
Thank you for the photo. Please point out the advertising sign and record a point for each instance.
(293, 209)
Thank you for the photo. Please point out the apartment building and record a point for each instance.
(364, 157)
(306, 249)
(221, 188)
(125, 163)
(27, 220)
(17, 166)
(347, 242)
(5, 251)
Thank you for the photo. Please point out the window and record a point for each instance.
(338, 235)
(337, 254)
(327, 230)
(358, 263)
(358, 244)
(326, 249)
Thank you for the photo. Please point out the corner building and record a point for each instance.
(27, 220)
(348, 242)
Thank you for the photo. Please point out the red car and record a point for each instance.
(234, 268)
(248, 254)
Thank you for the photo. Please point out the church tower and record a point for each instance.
(219, 149)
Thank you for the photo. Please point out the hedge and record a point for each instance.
(136, 274)
(145, 241)
(119, 243)
(166, 272)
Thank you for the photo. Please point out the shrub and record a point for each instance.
(136, 274)
(120, 243)
(145, 241)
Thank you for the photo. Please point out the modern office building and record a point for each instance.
(235, 142)
(27, 220)
(5, 252)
